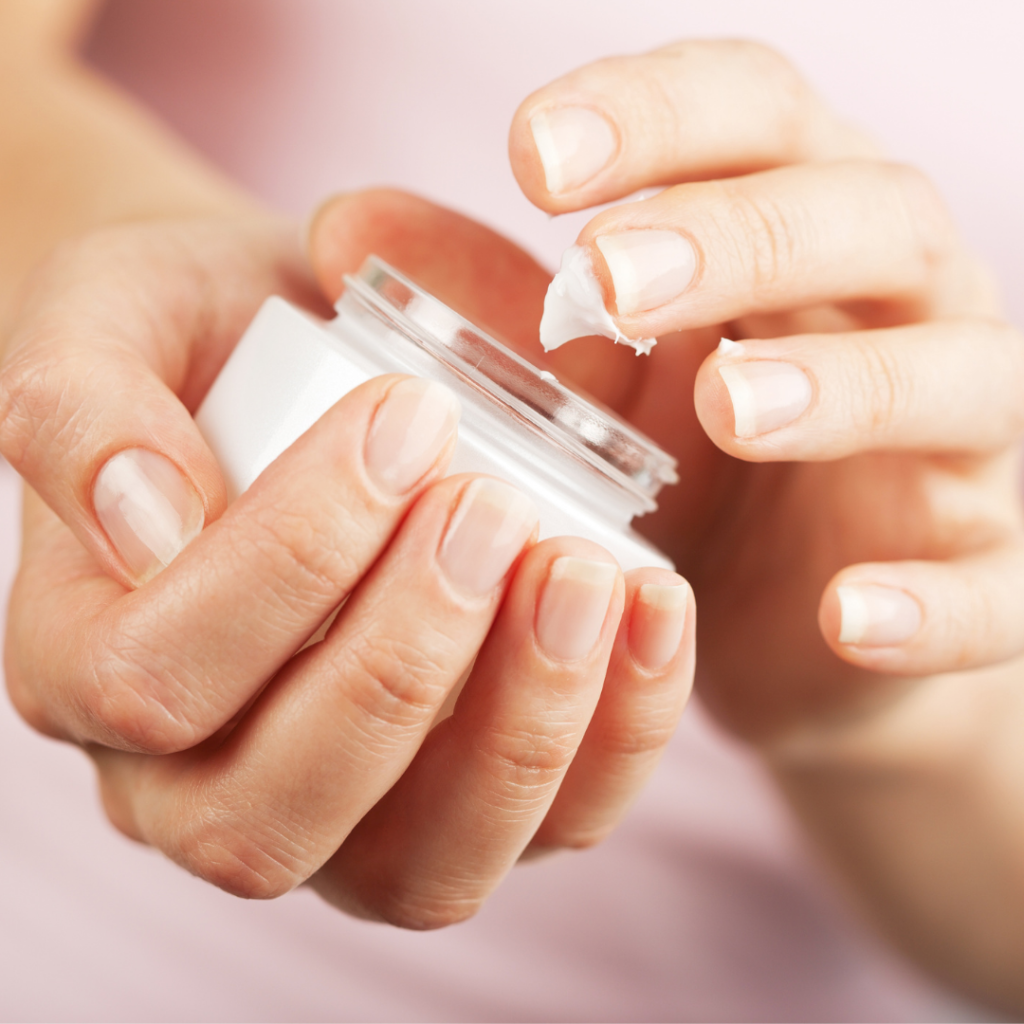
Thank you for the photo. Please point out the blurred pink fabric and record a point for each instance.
(706, 905)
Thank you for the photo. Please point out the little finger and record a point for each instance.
(649, 680)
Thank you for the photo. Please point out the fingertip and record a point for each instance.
(870, 619)
(322, 235)
(658, 620)
(527, 167)
(712, 400)
(562, 146)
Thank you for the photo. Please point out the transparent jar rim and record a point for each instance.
(578, 424)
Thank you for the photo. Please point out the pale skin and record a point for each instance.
(900, 472)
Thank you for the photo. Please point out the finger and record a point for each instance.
(338, 727)
(947, 386)
(119, 339)
(858, 232)
(430, 852)
(474, 270)
(920, 618)
(163, 667)
(649, 681)
(692, 111)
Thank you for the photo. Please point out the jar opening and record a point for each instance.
(579, 424)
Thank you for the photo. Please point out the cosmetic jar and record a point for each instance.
(589, 472)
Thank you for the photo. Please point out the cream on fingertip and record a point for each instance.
(574, 306)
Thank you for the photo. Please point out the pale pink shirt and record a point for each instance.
(706, 904)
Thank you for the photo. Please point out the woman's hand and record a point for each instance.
(849, 512)
(863, 433)
(252, 764)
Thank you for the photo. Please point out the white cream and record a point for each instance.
(574, 307)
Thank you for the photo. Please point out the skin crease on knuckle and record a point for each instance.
(399, 684)
(239, 859)
(140, 702)
(765, 237)
(300, 551)
(425, 904)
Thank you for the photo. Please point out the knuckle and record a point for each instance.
(887, 392)
(217, 847)
(420, 911)
(637, 740)
(404, 681)
(302, 549)
(526, 760)
(763, 239)
(26, 702)
(25, 405)
(581, 838)
(771, 67)
(135, 707)
(925, 212)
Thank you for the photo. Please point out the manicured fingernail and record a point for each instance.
(573, 143)
(648, 268)
(874, 616)
(410, 430)
(485, 535)
(148, 509)
(573, 606)
(656, 624)
(765, 395)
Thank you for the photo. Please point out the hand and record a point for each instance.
(254, 765)
(870, 452)
(849, 511)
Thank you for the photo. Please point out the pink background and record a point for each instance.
(705, 905)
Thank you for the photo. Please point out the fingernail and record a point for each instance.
(410, 430)
(874, 616)
(656, 625)
(488, 530)
(148, 509)
(648, 268)
(573, 143)
(573, 606)
(765, 395)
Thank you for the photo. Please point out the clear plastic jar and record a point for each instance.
(589, 472)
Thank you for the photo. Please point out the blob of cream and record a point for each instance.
(574, 306)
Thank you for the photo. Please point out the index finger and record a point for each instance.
(162, 668)
(692, 111)
(118, 341)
